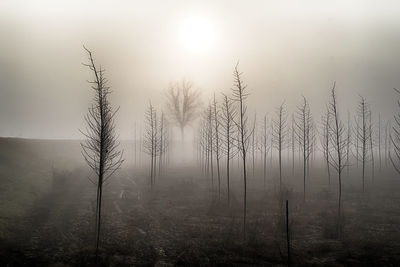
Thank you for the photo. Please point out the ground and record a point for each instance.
(180, 221)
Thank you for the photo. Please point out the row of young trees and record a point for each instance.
(225, 132)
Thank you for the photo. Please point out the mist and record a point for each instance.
(285, 49)
(199, 133)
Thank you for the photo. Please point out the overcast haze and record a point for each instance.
(284, 51)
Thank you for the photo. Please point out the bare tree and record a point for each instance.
(163, 138)
(280, 132)
(210, 143)
(264, 147)
(371, 145)
(293, 140)
(203, 142)
(362, 135)
(156, 146)
(183, 103)
(216, 121)
(150, 140)
(100, 149)
(348, 142)
(253, 144)
(325, 143)
(207, 140)
(228, 115)
(338, 144)
(239, 96)
(201, 146)
(304, 127)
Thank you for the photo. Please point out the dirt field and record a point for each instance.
(182, 222)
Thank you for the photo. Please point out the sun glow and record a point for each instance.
(197, 35)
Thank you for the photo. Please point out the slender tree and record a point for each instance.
(228, 115)
(163, 136)
(216, 121)
(325, 144)
(253, 144)
(210, 143)
(264, 147)
(338, 145)
(362, 135)
(239, 96)
(348, 141)
(150, 140)
(101, 148)
(304, 131)
(280, 132)
(371, 144)
(293, 141)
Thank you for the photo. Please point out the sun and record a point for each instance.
(197, 34)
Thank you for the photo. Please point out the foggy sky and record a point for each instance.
(285, 50)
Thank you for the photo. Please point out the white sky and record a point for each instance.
(285, 48)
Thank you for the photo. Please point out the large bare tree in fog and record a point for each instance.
(239, 96)
(101, 148)
(337, 137)
(228, 114)
(183, 103)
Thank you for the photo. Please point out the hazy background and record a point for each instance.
(285, 49)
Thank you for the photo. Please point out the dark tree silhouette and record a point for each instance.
(325, 143)
(371, 145)
(338, 145)
(253, 144)
(164, 142)
(210, 142)
(150, 140)
(101, 148)
(239, 96)
(362, 135)
(348, 142)
(264, 147)
(304, 127)
(216, 123)
(228, 115)
(293, 141)
(280, 133)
